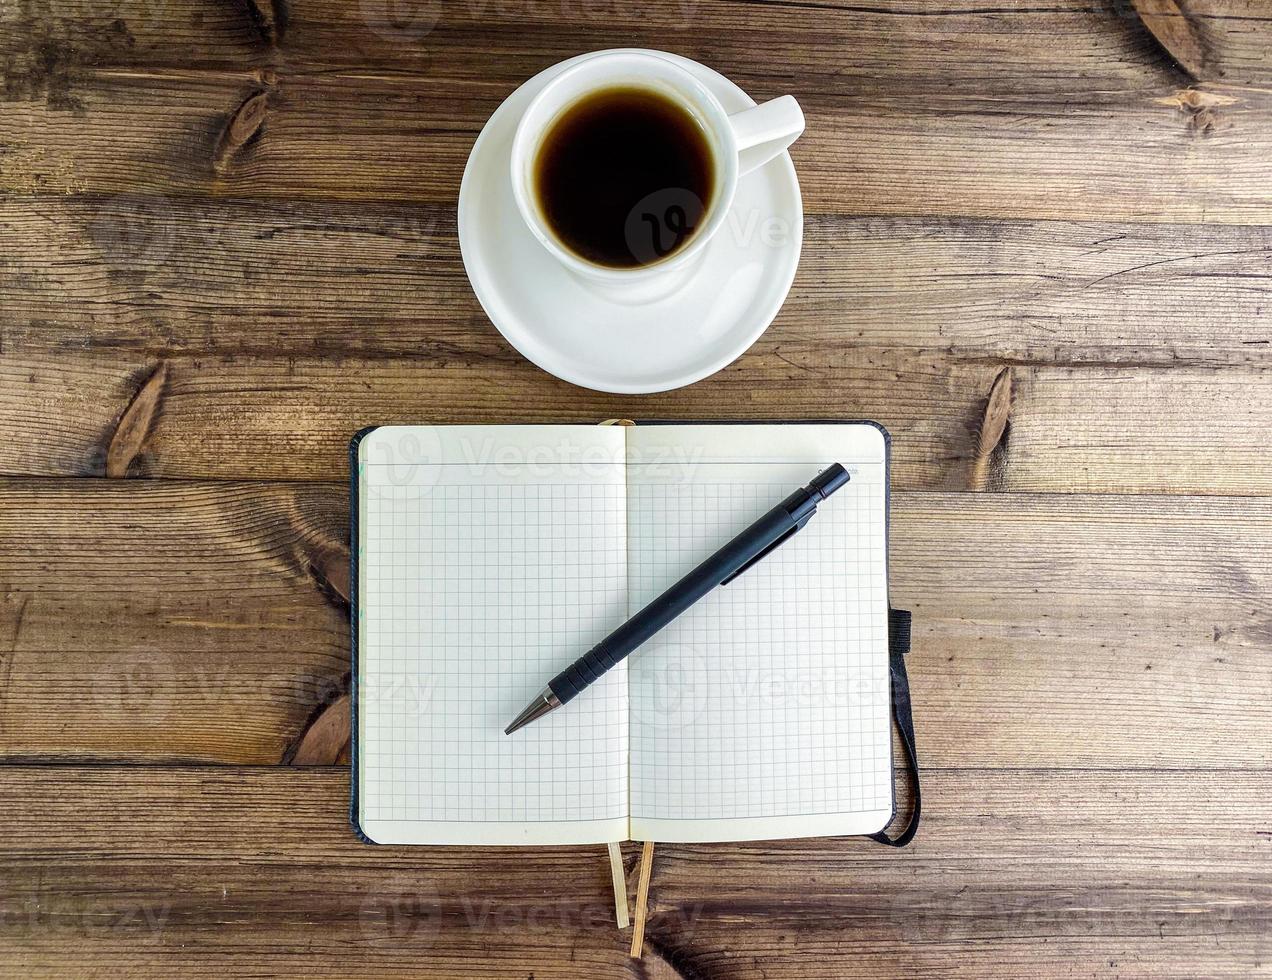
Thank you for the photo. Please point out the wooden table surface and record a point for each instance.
(227, 241)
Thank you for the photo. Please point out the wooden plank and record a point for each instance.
(165, 621)
(169, 622)
(510, 41)
(1070, 421)
(206, 870)
(1185, 430)
(1056, 130)
(1109, 601)
(163, 275)
(996, 153)
(1213, 40)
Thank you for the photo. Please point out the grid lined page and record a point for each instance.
(763, 711)
(490, 558)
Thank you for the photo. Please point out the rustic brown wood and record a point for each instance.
(992, 429)
(1084, 427)
(1058, 130)
(161, 621)
(326, 740)
(184, 621)
(162, 275)
(863, 46)
(972, 153)
(833, 44)
(1178, 33)
(209, 871)
(906, 320)
(130, 435)
(1213, 40)
(1038, 248)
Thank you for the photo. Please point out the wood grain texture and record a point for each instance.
(1087, 428)
(1039, 248)
(208, 871)
(161, 621)
(833, 45)
(186, 621)
(162, 275)
(904, 320)
(1103, 43)
(1213, 40)
(483, 38)
(968, 154)
(1056, 130)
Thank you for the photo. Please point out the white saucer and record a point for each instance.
(569, 329)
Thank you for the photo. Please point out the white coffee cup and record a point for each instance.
(739, 143)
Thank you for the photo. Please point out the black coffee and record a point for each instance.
(624, 176)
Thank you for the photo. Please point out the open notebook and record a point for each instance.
(490, 557)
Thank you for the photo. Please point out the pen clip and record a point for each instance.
(770, 549)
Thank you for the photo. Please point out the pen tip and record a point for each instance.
(544, 702)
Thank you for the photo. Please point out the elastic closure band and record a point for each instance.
(899, 621)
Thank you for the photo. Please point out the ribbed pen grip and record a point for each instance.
(586, 670)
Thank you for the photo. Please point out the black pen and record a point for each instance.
(768, 533)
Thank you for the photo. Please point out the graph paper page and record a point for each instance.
(490, 557)
(763, 711)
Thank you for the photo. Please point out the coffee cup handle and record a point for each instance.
(765, 131)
